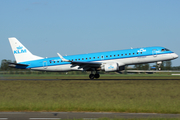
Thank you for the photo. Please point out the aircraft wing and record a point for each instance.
(81, 64)
(86, 65)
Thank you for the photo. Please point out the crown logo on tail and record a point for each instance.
(19, 47)
(20, 50)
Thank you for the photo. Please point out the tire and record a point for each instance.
(96, 76)
(91, 76)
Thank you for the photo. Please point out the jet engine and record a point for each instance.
(111, 67)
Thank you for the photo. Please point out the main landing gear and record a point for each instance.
(92, 76)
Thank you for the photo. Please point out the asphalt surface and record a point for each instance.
(77, 115)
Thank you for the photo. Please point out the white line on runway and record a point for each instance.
(175, 74)
(3, 118)
(144, 113)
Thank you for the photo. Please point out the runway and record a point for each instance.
(78, 115)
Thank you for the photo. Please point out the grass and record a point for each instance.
(134, 96)
(126, 119)
(130, 119)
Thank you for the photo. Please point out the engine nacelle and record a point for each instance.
(110, 67)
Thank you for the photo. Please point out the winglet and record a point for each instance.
(63, 59)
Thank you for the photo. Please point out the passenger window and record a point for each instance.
(97, 57)
(110, 55)
(121, 54)
(94, 57)
(137, 52)
(114, 55)
(86, 58)
(78, 59)
(133, 53)
(118, 54)
(129, 53)
(82, 58)
(125, 54)
(90, 58)
(106, 56)
(141, 52)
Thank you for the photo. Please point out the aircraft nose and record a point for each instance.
(175, 56)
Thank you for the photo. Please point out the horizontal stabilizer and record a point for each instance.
(16, 65)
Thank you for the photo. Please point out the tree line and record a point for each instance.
(166, 65)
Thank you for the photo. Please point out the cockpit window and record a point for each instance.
(165, 49)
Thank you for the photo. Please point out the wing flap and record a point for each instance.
(87, 63)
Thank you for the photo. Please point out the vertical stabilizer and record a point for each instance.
(21, 53)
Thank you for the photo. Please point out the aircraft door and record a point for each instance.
(45, 64)
(154, 52)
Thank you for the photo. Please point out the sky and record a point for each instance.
(71, 27)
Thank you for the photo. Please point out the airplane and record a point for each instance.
(109, 61)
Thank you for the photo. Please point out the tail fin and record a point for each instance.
(21, 53)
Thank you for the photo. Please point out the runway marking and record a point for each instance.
(144, 113)
(3, 118)
(175, 74)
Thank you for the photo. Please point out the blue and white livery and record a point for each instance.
(94, 62)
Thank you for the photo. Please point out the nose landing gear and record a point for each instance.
(159, 65)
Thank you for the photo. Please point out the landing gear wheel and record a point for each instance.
(91, 76)
(159, 63)
(96, 76)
